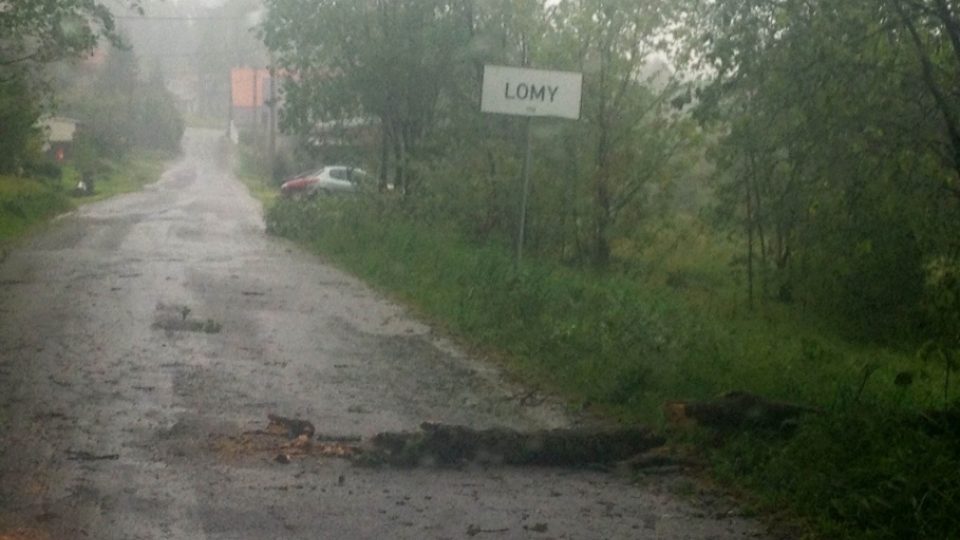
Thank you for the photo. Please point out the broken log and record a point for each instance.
(736, 411)
(444, 444)
(291, 427)
(447, 445)
(666, 458)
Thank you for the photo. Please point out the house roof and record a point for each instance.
(59, 128)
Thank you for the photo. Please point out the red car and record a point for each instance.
(329, 179)
(297, 184)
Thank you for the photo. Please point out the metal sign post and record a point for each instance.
(526, 190)
(530, 92)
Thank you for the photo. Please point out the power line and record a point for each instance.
(175, 18)
(197, 52)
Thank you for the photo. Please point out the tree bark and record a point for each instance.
(445, 444)
(749, 223)
(736, 411)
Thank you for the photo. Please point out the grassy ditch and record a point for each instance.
(27, 202)
(24, 203)
(118, 177)
(867, 468)
(251, 169)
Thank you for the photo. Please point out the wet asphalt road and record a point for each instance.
(136, 331)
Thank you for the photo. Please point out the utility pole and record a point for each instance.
(525, 193)
(230, 103)
(273, 118)
(523, 92)
(254, 105)
(525, 186)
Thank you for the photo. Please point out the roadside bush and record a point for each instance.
(44, 168)
(593, 336)
(24, 202)
(120, 112)
(18, 115)
(857, 473)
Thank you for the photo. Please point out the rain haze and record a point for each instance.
(455, 269)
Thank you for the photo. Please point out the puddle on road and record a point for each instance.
(176, 318)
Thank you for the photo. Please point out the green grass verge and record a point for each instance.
(26, 202)
(118, 177)
(204, 121)
(624, 343)
(251, 171)
(864, 472)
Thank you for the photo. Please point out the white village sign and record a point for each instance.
(530, 92)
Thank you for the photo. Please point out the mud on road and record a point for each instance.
(137, 332)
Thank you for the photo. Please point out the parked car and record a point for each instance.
(297, 183)
(329, 179)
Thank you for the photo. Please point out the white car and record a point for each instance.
(329, 179)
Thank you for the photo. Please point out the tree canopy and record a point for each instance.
(38, 31)
(413, 69)
(34, 33)
(839, 141)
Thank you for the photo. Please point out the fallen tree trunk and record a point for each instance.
(446, 445)
(736, 411)
(443, 444)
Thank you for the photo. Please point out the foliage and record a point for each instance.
(582, 326)
(380, 60)
(629, 135)
(224, 41)
(119, 111)
(413, 71)
(624, 347)
(837, 147)
(35, 33)
(115, 177)
(24, 203)
(823, 138)
(943, 312)
(17, 119)
(251, 169)
(856, 473)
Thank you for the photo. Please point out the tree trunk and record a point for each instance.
(384, 156)
(761, 236)
(399, 179)
(601, 244)
(950, 116)
(749, 223)
(736, 411)
(445, 444)
(601, 196)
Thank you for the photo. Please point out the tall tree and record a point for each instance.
(627, 95)
(386, 60)
(226, 39)
(32, 34)
(838, 142)
(121, 110)
(38, 31)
